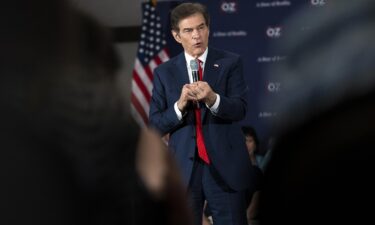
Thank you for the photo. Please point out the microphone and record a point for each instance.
(194, 70)
(194, 73)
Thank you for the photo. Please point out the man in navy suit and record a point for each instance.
(224, 172)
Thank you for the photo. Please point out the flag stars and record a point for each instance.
(152, 37)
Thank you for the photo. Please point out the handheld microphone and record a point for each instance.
(194, 70)
(194, 73)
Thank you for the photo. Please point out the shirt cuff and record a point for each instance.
(178, 112)
(215, 107)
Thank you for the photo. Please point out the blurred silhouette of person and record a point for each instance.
(70, 151)
(252, 144)
(316, 164)
(257, 160)
(321, 168)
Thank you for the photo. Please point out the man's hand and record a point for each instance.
(186, 96)
(203, 92)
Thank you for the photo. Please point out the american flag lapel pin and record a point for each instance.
(216, 65)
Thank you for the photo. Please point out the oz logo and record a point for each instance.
(273, 87)
(229, 7)
(274, 32)
(318, 2)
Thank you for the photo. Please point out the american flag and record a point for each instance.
(152, 51)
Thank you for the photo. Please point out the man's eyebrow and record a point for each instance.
(190, 28)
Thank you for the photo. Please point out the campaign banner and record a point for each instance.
(249, 28)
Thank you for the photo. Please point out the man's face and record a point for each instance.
(193, 34)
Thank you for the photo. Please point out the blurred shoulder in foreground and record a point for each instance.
(321, 168)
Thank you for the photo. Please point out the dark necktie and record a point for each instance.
(202, 152)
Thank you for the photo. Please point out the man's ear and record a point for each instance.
(176, 36)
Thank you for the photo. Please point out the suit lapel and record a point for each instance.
(181, 75)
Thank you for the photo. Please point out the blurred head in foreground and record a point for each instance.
(70, 151)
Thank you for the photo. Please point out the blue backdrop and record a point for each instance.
(248, 28)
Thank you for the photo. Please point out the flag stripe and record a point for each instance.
(137, 93)
(138, 112)
(146, 79)
(164, 55)
(146, 91)
(148, 71)
(153, 64)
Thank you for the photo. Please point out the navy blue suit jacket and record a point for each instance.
(223, 137)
